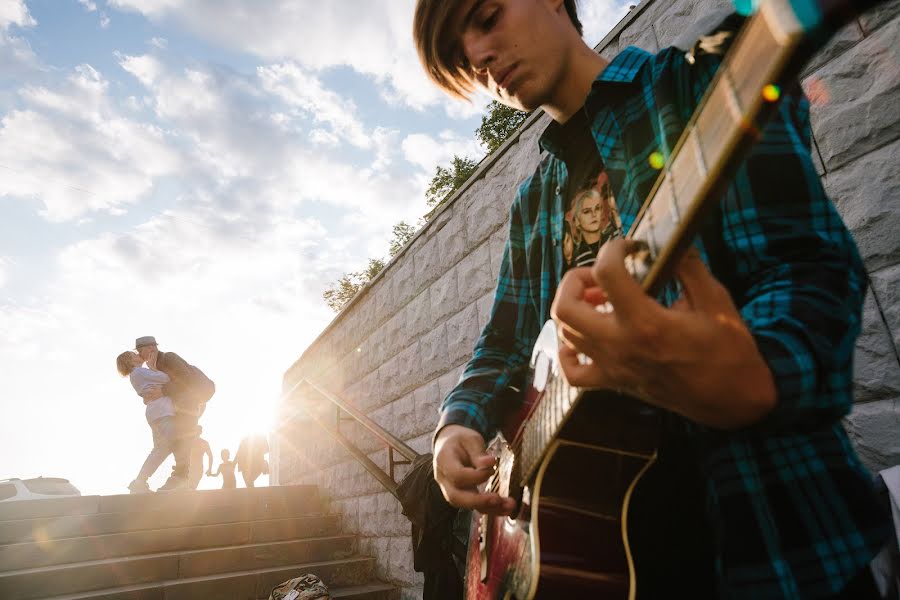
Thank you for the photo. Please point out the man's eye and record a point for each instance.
(487, 21)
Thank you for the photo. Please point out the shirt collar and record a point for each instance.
(621, 70)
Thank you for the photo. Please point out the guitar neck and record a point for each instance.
(711, 143)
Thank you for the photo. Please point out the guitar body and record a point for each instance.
(568, 539)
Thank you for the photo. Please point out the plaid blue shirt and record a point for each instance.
(791, 506)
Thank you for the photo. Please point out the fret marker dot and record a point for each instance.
(656, 160)
(771, 92)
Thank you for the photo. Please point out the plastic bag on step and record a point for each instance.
(305, 587)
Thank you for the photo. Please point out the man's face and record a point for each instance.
(146, 351)
(514, 49)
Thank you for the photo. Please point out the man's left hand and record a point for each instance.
(697, 358)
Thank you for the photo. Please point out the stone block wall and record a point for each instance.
(398, 348)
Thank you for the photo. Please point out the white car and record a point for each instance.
(36, 488)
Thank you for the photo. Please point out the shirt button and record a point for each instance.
(555, 241)
(557, 190)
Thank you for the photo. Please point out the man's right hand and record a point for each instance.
(152, 393)
(461, 465)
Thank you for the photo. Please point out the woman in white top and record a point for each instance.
(160, 414)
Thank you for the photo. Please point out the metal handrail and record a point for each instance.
(393, 443)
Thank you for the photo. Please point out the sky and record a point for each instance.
(200, 171)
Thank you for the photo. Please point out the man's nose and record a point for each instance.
(480, 54)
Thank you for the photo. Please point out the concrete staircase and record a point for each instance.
(199, 545)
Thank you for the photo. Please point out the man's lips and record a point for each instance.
(504, 77)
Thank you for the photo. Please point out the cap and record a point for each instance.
(147, 340)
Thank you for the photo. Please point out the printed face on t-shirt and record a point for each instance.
(592, 217)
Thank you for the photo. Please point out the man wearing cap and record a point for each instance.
(187, 412)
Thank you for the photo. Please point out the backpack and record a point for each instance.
(200, 388)
(305, 587)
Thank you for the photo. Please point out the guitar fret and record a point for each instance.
(688, 180)
(673, 201)
(698, 153)
(731, 97)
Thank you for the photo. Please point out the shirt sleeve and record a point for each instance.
(500, 357)
(793, 268)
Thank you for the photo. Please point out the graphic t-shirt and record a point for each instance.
(592, 216)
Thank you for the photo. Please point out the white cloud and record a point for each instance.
(88, 5)
(159, 42)
(104, 20)
(15, 12)
(72, 152)
(371, 36)
(427, 152)
(5, 268)
(16, 56)
(598, 18)
(304, 92)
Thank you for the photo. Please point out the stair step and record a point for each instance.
(79, 549)
(371, 591)
(190, 500)
(100, 574)
(349, 575)
(191, 512)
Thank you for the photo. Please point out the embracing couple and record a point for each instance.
(175, 394)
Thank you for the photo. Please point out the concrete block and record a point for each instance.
(382, 294)
(874, 428)
(394, 334)
(462, 333)
(451, 239)
(485, 305)
(497, 243)
(403, 424)
(675, 19)
(427, 401)
(449, 380)
(401, 561)
(876, 372)
(427, 262)
(474, 275)
(856, 111)
(422, 444)
(403, 274)
(886, 286)
(391, 518)
(444, 295)
(486, 213)
(418, 315)
(867, 194)
(846, 36)
(433, 353)
(368, 511)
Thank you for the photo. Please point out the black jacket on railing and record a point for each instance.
(439, 532)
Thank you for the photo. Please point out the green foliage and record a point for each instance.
(342, 291)
(498, 124)
(402, 233)
(447, 181)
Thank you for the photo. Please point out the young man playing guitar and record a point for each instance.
(758, 492)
